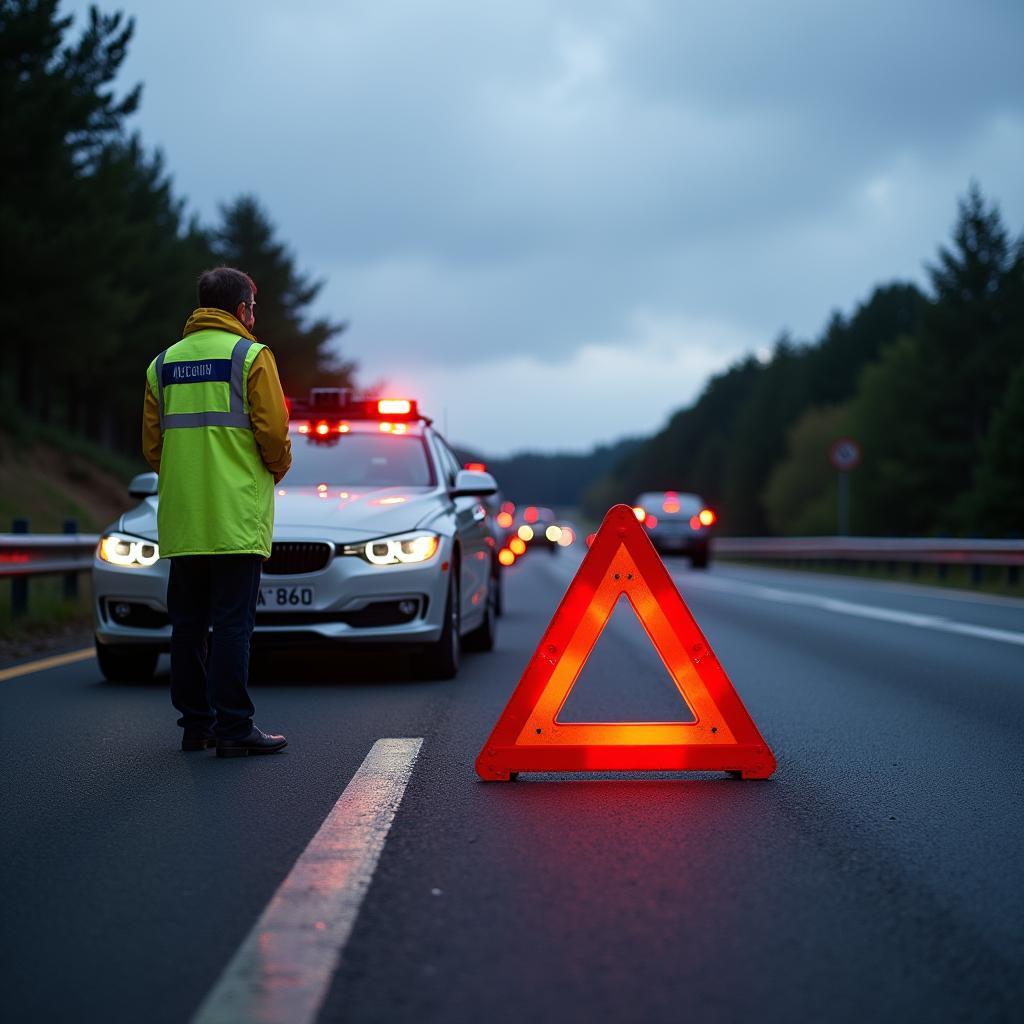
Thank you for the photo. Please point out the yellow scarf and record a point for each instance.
(206, 318)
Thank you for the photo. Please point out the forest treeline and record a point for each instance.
(100, 257)
(930, 386)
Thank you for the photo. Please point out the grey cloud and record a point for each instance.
(479, 179)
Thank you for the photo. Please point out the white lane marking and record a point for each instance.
(864, 611)
(281, 972)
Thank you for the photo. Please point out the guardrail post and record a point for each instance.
(19, 584)
(71, 578)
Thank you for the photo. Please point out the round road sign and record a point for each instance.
(844, 454)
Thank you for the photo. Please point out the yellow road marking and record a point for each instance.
(40, 666)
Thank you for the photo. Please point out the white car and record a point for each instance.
(380, 538)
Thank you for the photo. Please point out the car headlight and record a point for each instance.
(120, 549)
(404, 549)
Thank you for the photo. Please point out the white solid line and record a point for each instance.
(863, 611)
(281, 972)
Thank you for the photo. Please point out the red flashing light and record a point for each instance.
(476, 467)
(394, 407)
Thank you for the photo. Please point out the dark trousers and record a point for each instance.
(210, 672)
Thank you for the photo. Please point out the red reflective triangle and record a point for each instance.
(528, 736)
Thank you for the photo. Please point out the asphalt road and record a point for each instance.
(879, 875)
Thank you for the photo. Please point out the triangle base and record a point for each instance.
(747, 760)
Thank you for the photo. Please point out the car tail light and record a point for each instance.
(640, 512)
(651, 521)
(707, 517)
(506, 557)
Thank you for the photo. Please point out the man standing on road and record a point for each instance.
(215, 429)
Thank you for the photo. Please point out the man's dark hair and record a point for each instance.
(224, 288)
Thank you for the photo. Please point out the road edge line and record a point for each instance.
(285, 965)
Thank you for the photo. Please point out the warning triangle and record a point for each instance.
(528, 735)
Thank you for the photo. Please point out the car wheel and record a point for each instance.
(441, 659)
(126, 664)
(482, 638)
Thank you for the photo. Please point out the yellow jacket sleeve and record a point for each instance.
(269, 414)
(152, 439)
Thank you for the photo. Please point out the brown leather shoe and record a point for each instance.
(256, 742)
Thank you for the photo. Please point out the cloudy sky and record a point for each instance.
(553, 219)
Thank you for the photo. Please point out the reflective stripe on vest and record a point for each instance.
(237, 417)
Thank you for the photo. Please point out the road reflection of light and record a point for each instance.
(390, 501)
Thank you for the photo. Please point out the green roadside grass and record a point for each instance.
(47, 607)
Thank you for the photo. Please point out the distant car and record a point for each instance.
(677, 523)
(380, 537)
(536, 527)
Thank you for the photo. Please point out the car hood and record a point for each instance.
(336, 514)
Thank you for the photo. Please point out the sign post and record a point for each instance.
(844, 455)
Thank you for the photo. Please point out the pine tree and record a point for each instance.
(58, 111)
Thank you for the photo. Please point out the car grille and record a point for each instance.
(290, 558)
(379, 613)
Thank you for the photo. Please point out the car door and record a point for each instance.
(471, 529)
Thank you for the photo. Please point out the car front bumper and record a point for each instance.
(351, 602)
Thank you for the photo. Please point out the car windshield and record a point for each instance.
(672, 506)
(359, 460)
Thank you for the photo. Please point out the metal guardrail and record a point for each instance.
(41, 554)
(24, 555)
(941, 552)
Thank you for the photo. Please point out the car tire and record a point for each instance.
(699, 558)
(499, 591)
(440, 660)
(126, 664)
(482, 638)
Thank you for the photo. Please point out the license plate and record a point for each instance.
(285, 597)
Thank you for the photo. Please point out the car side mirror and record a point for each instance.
(143, 485)
(471, 483)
